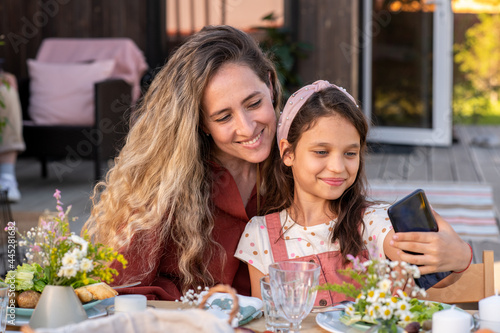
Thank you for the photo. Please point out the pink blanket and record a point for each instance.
(130, 62)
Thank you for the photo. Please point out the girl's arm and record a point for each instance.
(442, 251)
(255, 276)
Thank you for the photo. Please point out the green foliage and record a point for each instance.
(375, 285)
(27, 277)
(423, 311)
(284, 52)
(470, 105)
(478, 58)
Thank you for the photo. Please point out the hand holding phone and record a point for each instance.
(412, 213)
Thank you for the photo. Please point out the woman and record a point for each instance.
(184, 185)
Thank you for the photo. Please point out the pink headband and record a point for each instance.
(296, 101)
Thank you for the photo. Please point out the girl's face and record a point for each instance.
(326, 159)
(239, 115)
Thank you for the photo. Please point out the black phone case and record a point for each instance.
(399, 220)
(412, 213)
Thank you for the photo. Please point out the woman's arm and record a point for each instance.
(441, 251)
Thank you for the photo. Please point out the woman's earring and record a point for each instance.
(207, 134)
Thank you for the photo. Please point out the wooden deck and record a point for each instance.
(463, 162)
(37, 193)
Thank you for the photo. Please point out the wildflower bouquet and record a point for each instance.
(65, 258)
(380, 297)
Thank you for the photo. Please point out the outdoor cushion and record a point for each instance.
(129, 59)
(63, 94)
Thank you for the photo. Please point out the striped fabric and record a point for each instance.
(468, 207)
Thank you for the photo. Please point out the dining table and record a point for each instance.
(308, 325)
(257, 325)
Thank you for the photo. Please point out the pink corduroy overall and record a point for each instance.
(329, 262)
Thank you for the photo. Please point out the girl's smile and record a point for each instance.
(334, 181)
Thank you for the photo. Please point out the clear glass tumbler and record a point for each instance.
(291, 286)
(4, 303)
(275, 322)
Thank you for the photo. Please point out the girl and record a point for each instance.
(316, 202)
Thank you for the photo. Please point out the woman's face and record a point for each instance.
(238, 113)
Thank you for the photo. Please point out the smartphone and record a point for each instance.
(412, 213)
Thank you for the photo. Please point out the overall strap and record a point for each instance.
(278, 246)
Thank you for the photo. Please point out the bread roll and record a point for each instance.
(84, 295)
(94, 292)
(28, 299)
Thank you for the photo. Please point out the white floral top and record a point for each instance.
(255, 248)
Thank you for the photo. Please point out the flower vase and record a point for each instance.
(385, 326)
(58, 306)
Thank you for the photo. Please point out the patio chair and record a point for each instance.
(64, 118)
(476, 283)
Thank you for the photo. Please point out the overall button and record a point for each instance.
(312, 260)
(322, 302)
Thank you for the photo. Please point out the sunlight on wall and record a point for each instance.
(459, 6)
(475, 6)
(185, 17)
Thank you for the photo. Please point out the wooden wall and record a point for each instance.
(332, 28)
(25, 23)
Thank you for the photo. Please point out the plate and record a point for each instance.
(330, 321)
(29, 312)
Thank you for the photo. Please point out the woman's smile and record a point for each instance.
(253, 141)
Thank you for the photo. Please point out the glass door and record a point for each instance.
(407, 71)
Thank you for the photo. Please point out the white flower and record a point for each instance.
(402, 306)
(385, 285)
(78, 254)
(402, 293)
(386, 312)
(86, 265)
(77, 239)
(67, 271)
(393, 264)
(372, 312)
(69, 259)
(349, 310)
(80, 241)
(405, 317)
(392, 302)
(372, 296)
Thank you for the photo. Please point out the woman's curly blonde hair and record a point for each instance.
(160, 186)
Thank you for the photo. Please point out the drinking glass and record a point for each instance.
(4, 303)
(275, 322)
(291, 286)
